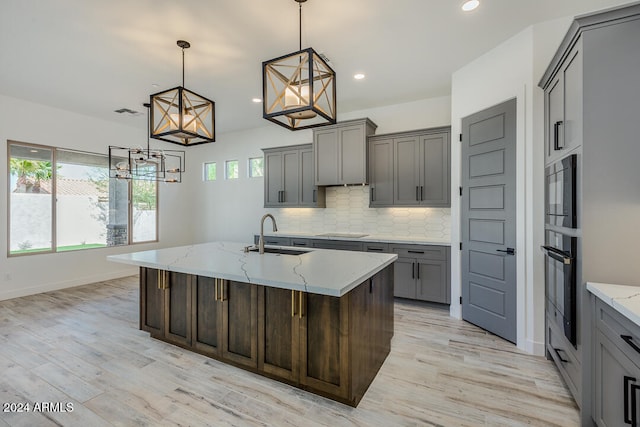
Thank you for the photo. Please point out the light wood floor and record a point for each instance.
(83, 346)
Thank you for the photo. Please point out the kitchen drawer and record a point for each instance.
(271, 240)
(376, 247)
(562, 353)
(300, 242)
(342, 245)
(616, 326)
(420, 251)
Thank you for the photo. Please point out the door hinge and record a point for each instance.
(460, 300)
(460, 137)
(461, 191)
(460, 245)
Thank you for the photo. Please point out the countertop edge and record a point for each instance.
(625, 299)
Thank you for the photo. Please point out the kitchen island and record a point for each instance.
(318, 319)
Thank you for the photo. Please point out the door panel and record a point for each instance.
(406, 153)
(432, 281)
(274, 178)
(489, 219)
(308, 188)
(291, 173)
(404, 278)
(381, 170)
(435, 187)
(555, 117)
(279, 332)
(353, 169)
(325, 150)
(240, 322)
(207, 317)
(151, 302)
(178, 308)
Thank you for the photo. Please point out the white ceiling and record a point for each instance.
(95, 56)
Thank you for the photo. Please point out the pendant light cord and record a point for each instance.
(300, 26)
(183, 67)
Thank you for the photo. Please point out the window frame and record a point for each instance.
(249, 168)
(205, 174)
(54, 159)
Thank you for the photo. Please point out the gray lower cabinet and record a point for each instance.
(341, 245)
(617, 368)
(340, 152)
(422, 273)
(288, 178)
(273, 240)
(410, 168)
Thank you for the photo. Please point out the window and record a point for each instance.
(210, 173)
(62, 200)
(256, 167)
(231, 169)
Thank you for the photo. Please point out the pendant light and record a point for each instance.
(181, 116)
(299, 89)
(146, 163)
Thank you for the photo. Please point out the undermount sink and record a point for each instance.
(280, 251)
(353, 235)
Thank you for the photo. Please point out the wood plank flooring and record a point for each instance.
(83, 346)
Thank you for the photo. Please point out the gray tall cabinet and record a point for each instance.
(592, 109)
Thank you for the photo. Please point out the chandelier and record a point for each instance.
(299, 89)
(146, 163)
(181, 116)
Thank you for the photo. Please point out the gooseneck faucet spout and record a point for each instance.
(275, 228)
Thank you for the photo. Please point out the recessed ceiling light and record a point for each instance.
(358, 76)
(470, 5)
(256, 100)
(155, 85)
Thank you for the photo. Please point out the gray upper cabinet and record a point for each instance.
(410, 168)
(340, 152)
(288, 178)
(563, 99)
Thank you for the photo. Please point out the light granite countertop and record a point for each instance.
(377, 238)
(623, 298)
(320, 271)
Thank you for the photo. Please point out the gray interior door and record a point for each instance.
(489, 219)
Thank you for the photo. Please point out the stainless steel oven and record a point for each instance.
(561, 197)
(560, 266)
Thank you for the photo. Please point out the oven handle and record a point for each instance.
(558, 255)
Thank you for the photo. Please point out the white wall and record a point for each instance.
(33, 123)
(512, 70)
(231, 210)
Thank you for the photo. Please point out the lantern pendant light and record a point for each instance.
(299, 89)
(181, 116)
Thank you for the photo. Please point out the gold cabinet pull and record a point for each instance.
(300, 308)
(215, 289)
(293, 303)
(222, 298)
(159, 279)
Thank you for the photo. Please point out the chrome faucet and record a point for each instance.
(275, 228)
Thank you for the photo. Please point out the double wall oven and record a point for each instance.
(561, 244)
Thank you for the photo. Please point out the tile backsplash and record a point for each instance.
(348, 211)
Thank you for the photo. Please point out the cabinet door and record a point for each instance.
(273, 179)
(381, 173)
(324, 343)
(352, 158)
(406, 171)
(207, 316)
(404, 278)
(325, 150)
(572, 124)
(239, 323)
(555, 120)
(178, 308)
(431, 284)
(151, 302)
(308, 191)
(279, 332)
(434, 187)
(291, 170)
(617, 379)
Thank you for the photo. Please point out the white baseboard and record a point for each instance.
(78, 281)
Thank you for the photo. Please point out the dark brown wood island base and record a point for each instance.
(331, 346)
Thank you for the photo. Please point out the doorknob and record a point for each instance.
(509, 251)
